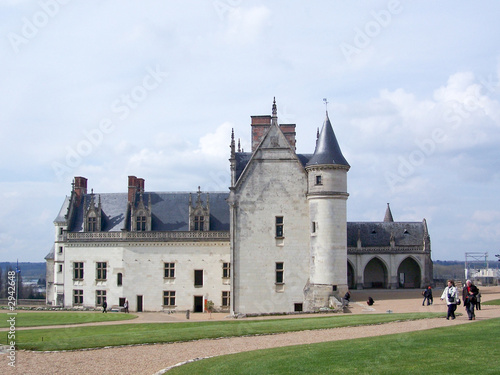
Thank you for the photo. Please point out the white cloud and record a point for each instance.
(247, 25)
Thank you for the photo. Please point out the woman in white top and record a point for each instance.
(450, 293)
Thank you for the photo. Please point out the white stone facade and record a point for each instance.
(278, 241)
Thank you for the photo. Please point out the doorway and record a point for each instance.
(139, 303)
(198, 304)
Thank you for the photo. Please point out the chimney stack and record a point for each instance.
(135, 185)
(80, 188)
(260, 125)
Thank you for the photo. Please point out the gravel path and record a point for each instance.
(152, 359)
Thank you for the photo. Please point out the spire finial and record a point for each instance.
(326, 105)
(275, 113)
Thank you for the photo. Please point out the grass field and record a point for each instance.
(34, 319)
(127, 334)
(492, 302)
(436, 351)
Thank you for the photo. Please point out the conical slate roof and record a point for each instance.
(388, 215)
(327, 148)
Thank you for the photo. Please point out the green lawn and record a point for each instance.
(492, 302)
(127, 334)
(33, 319)
(435, 351)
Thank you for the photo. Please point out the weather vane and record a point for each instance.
(326, 104)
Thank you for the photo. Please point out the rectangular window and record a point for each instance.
(141, 223)
(100, 297)
(318, 180)
(59, 268)
(226, 299)
(60, 249)
(279, 226)
(226, 270)
(169, 298)
(61, 231)
(279, 273)
(119, 279)
(198, 278)
(199, 222)
(313, 227)
(78, 270)
(77, 297)
(91, 227)
(169, 270)
(101, 271)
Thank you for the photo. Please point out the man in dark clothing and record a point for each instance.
(104, 307)
(427, 296)
(469, 293)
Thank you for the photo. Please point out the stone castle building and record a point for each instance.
(277, 241)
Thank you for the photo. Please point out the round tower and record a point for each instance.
(327, 198)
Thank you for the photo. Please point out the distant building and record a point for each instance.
(277, 241)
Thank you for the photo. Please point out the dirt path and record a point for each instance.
(152, 359)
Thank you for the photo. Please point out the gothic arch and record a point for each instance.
(351, 276)
(409, 273)
(375, 274)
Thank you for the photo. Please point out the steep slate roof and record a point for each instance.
(327, 148)
(388, 214)
(242, 159)
(170, 211)
(375, 234)
(61, 216)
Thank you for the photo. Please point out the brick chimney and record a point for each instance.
(289, 132)
(80, 188)
(260, 125)
(135, 185)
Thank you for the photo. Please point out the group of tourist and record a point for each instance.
(470, 296)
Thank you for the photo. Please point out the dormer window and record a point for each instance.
(199, 223)
(91, 224)
(199, 213)
(141, 223)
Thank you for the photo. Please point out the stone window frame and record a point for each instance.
(198, 275)
(169, 270)
(77, 297)
(141, 223)
(78, 270)
(280, 227)
(169, 298)
(100, 297)
(101, 269)
(226, 298)
(280, 273)
(226, 270)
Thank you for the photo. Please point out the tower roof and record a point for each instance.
(327, 148)
(388, 215)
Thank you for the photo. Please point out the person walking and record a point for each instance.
(478, 301)
(427, 293)
(450, 293)
(469, 293)
(125, 306)
(104, 306)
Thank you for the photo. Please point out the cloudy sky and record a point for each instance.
(106, 89)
